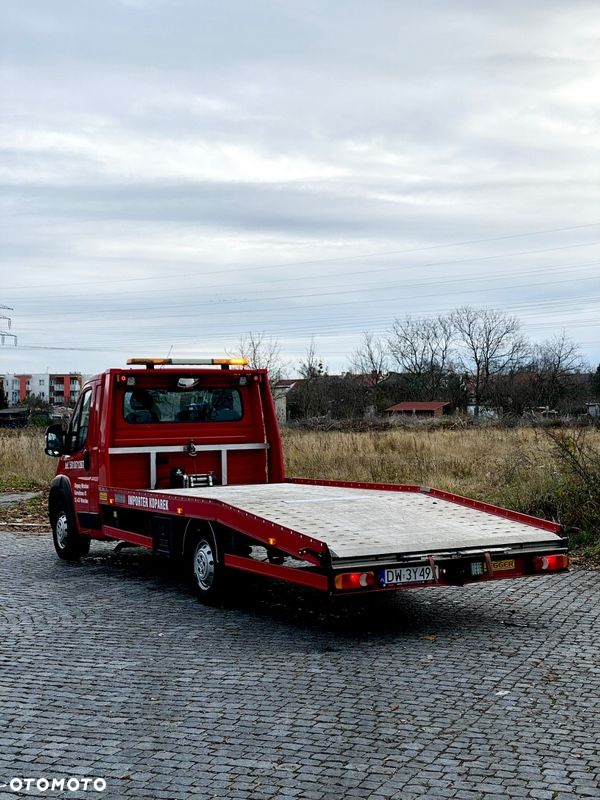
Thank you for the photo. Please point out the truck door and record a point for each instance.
(80, 462)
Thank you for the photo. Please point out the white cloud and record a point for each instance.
(110, 154)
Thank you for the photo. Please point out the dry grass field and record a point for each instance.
(520, 468)
(23, 463)
(490, 463)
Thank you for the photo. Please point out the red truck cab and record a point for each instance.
(157, 428)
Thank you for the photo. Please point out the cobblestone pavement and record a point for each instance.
(110, 668)
(10, 498)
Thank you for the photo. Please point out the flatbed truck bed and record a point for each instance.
(360, 523)
(398, 536)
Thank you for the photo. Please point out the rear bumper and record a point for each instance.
(444, 569)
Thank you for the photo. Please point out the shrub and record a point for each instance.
(577, 453)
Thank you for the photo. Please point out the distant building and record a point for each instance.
(413, 408)
(19, 386)
(280, 391)
(65, 388)
(54, 388)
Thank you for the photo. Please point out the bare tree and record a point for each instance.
(556, 362)
(489, 344)
(312, 366)
(421, 347)
(559, 355)
(370, 358)
(262, 352)
(309, 397)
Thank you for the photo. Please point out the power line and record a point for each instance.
(231, 306)
(344, 325)
(338, 259)
(378, 270)
(106, 349)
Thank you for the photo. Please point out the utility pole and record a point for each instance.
(4, 334)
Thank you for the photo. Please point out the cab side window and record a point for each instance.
(78, 429)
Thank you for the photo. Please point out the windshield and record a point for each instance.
(182, 405)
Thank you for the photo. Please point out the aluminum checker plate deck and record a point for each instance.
(370, 522)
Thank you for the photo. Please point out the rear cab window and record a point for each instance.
(182, 404)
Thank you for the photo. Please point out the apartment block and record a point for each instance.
(59, 389)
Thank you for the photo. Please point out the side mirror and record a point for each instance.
(55, 442)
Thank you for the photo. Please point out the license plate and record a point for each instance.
(479, 568)
(506, 565)
(393, 576)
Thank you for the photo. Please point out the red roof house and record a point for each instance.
(419, 409)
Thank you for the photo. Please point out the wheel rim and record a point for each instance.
(204, 565)
(62, 530)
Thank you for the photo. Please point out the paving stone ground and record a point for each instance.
(110, 668)
(10, 498)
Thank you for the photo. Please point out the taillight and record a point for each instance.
(550, 563)
(354, 580)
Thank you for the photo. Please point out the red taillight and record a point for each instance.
(354, 580)
(550, 563)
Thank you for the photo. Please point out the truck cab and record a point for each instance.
(159, 425)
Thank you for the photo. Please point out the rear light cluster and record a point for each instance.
(347, 581)
(550, 563)
(355, 580)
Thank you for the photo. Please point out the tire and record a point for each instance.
(69, 545)
(206, 571)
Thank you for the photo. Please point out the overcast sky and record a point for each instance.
(176, 173)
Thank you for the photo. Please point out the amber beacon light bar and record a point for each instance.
(188, 362)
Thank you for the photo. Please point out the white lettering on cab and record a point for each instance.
(74, 465)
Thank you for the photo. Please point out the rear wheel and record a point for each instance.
(69, 545)
(207, 573)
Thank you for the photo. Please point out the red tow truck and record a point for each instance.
(185, 458)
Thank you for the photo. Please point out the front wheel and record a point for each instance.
(69, 545)
(206, 571)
